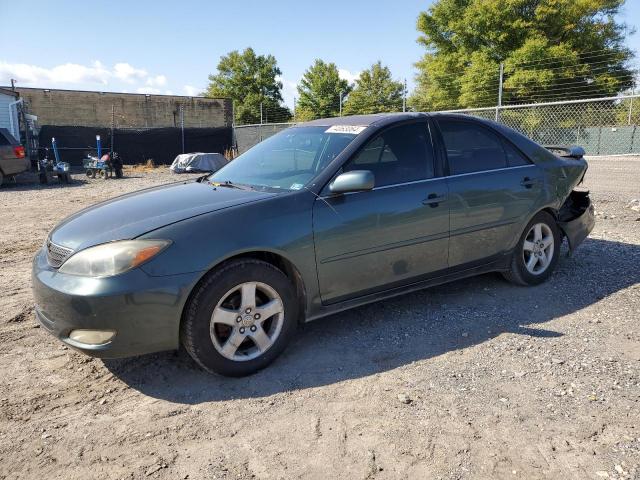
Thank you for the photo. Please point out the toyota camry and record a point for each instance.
(321, 217)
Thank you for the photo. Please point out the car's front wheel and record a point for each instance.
(240, 318)
(536, 254)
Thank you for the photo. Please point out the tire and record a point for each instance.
(1, 178)
(103, 174)
(93, 174)
(532, 263)
(220, 321)
(90, 173)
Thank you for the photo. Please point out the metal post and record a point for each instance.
(340, 103)
(13, 84)
(500, 92)
(404, 96)
(294, 108)
(233, 113)
(260, 113)
(633, 91)
(113, 124)
(182, 125)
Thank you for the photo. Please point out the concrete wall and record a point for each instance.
(93, 109)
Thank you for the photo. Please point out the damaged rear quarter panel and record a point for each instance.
(576, 218)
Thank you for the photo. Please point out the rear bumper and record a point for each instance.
(144, 311)
(577, 218)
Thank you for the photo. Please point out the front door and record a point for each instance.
(391, 235)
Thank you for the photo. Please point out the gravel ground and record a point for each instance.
(475, 379)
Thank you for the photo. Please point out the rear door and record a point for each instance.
(391, 235)
(492, 189)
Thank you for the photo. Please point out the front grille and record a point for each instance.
(56, 255)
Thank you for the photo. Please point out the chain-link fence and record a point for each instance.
(602, 126)
(138, 127)
(246, 136)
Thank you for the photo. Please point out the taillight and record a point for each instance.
(19, 151)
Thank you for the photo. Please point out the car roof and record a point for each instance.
(364, 120)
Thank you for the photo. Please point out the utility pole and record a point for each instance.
(404, 96)
(500, 92)
(182, 125)
(340, 102)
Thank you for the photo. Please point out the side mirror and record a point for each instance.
(354, 181)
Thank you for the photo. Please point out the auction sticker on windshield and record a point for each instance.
(345, 129)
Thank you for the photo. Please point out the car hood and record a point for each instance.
(132, 215)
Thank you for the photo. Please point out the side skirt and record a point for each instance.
(496, 265)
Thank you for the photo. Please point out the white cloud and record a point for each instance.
(123, 77)
(347, 75)
(68, 73)
(157, 81)
(149, 90)
(289, 91)
(191, 91)
(128, 73)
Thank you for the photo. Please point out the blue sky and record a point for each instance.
(171, 47)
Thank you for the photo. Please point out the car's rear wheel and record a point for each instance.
(240, 318)
(536, 254)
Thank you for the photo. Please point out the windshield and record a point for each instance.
(287, 160)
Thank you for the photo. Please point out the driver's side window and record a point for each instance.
(398, 155)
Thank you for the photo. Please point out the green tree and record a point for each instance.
(375, 92)
(250, 80)
(551, 50)
(320, 90)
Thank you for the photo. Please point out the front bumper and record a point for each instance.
(577, 218)
(144, 311)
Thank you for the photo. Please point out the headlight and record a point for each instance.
(111, 259)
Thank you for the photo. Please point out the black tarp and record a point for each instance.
(134, 145)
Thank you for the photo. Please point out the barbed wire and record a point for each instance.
(580, 55)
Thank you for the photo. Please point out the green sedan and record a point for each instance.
(322, 217)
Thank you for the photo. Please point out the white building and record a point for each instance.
(9, 111)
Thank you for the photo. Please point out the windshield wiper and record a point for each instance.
(230, 184)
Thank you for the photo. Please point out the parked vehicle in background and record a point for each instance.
(13, 159)
(321, 217)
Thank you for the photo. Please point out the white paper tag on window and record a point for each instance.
(354, 129)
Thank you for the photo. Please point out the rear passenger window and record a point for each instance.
(514, 157)
(399, 155)
(471, 148)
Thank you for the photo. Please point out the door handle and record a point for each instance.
(433, 200)
(528, 182)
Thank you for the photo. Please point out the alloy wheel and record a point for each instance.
(247, 321)
(538, 248)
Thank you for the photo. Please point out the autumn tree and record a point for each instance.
(252, 81)
(551, 50)
(319, 91)
(375, 91)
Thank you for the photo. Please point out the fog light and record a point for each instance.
(92, 337)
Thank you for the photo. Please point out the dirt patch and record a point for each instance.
(476, 379)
